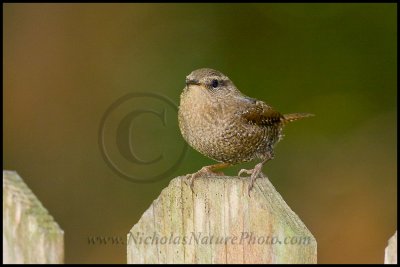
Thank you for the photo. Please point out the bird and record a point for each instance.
(222, 123)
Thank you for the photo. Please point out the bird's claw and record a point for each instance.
(255, 173)
(245, 171)
(190, 180)
(203, 172)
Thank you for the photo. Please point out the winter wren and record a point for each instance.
(217, 120)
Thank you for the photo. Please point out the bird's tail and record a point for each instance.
(296, 116)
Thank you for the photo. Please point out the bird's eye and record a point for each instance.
(214, 83)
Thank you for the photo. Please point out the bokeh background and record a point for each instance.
(64, 65)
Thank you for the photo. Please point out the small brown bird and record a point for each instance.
(217, 120)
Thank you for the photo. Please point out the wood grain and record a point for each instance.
(219, 223)
(30, 234)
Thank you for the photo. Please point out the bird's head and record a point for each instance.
(210, 83)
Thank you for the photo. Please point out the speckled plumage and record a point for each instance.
(225, 125)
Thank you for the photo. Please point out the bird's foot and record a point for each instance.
(255, 173)
(206, 171)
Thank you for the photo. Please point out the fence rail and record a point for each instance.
(220, 223)
(30, 234)
(391, 250)
(216, 223)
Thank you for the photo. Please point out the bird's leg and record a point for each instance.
(255, 172)
(206, 171)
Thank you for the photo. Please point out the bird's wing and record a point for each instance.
(259, 113)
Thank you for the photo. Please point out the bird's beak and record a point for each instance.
(192, 81)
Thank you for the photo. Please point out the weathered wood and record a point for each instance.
(391, 250)
(220, 223)
(30, 235)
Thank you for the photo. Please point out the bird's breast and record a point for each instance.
(216, 130)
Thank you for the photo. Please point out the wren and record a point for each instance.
(220, 122)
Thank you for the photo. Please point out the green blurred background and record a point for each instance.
(65, 64)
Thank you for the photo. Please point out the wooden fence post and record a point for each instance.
(30, 235)
(220, 223)
(391, 250)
